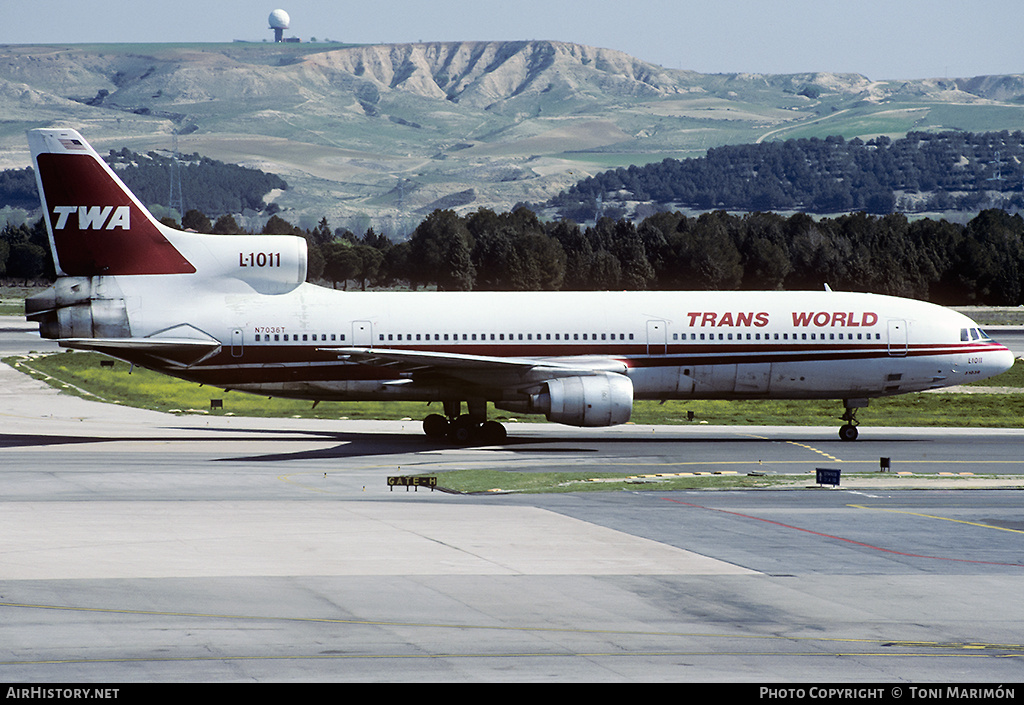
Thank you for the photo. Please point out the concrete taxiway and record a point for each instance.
(138, 546)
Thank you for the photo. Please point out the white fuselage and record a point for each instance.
(235, 312)
(673, 344)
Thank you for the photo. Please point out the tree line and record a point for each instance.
(980, 262)
(921, 172)
(208, 185)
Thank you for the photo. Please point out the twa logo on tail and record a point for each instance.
(112, 233)
(94, 217)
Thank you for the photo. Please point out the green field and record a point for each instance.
(85, 374)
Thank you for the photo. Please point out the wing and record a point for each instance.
(478, 369)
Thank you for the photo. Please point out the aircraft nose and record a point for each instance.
(998, 362)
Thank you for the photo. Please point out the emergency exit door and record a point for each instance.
(897, 338)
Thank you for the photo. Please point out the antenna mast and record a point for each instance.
(174, 198)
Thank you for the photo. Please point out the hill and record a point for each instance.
(924, 171)
(388, 133)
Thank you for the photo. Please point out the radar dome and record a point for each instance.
(279, 19)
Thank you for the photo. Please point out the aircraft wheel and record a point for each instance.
(493, 433)
(435, 426)
(462, 430)
(848, 432)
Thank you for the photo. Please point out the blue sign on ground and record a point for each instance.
(826, 476)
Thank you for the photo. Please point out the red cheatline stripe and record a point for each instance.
(839, 538)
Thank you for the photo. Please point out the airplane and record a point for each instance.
(236, 312)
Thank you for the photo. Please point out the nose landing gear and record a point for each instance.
(848, 432)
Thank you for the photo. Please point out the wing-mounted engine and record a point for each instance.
(603, 399)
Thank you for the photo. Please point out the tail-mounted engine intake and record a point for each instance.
(270, 264)
(80, 307)
(603, 399)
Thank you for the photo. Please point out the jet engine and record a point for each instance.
(603, 399)
(80, 307)
(270, 264)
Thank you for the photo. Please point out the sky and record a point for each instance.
(881, 39)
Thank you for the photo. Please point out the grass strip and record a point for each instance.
(110, 380)
(484, 482)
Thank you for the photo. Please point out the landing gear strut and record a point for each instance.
(848, 432)
(464, 429)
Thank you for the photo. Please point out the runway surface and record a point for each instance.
(137, 546)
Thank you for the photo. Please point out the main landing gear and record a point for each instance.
(848, 432)
(464, 429)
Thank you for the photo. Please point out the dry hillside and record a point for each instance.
(386, 133)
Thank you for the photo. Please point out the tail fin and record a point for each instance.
(96, 225)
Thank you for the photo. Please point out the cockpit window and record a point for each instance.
(968, 334)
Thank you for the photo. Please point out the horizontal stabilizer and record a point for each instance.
(182, 351)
